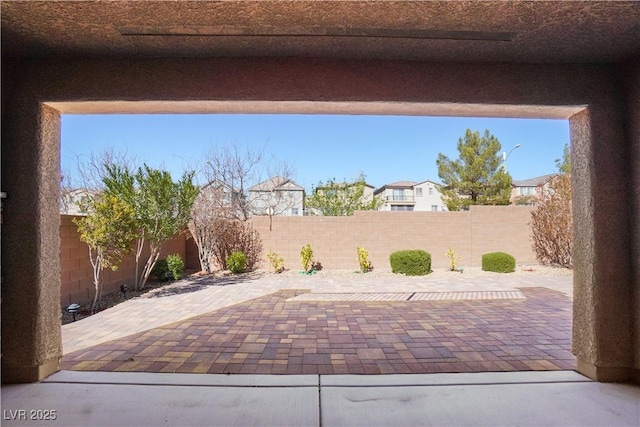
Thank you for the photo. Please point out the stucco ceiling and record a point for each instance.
(495, 31)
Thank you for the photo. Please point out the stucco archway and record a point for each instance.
(600, 109)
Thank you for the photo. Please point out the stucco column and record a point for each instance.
(31, 334)
(603, 290)
(631, 81)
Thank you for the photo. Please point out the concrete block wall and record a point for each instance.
(334, 239)
(76, 272)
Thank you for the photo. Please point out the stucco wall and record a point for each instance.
(76, 273)
(334, 239)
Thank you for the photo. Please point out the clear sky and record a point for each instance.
(385, 148)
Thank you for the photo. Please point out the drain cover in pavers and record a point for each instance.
(410, 296)
(470, 295)
(383, 296)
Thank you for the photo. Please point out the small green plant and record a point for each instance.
(306, 258)
(498, 262)
(237, 262)
(453, 259)
(277, 262)
(175, 265)
(411, 262)
(161, 270)
(365, 264)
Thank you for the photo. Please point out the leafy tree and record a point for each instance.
(564, 164)
(477, 177)
(109, 230)
(164, 209)
(342, 199)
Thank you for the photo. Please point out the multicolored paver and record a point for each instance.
(276, 335)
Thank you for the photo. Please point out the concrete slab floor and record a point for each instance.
(562, 398)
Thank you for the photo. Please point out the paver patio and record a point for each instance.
(273, 334)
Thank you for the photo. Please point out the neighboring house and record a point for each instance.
(411, 196)
(524, 192)
(71, 200)
(222, 197)
(277, 196)
(345, 198)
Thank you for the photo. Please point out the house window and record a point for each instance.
(294, 211)
(401, 207)
(418, 192)
(430, 191)
(398, 194)
(434, 208)
(526, 191)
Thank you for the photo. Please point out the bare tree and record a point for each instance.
(228, 173)
(93, 168)
(552, 223)
(209, 208)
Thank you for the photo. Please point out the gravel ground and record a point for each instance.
(223, 277)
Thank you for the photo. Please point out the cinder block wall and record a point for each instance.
(334, 239)
(76, 272)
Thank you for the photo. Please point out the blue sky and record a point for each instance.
(385, 148)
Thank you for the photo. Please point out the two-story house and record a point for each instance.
(276, 196)
(524, 192)
(411, 196)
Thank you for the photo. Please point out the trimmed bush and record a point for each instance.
(237, 262)
(175, 265)
(411, 262)
(498, 262)
(161, 270)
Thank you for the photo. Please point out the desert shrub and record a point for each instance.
(363, 260)
(161, 270)
(316, 266)
(277, 262)
(306, 257)
(552, 223)
(236, 236)
(237, 262)
(175, 265)
(453, 259)
(498, 262)
(411, 262)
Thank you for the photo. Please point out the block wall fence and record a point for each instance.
(76, 272)
(470, 234)
(334, 240)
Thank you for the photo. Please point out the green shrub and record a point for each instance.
(363, 259)
(237, 262)
(306, 257)
(498, 262)
(277, 262)
(175, 265)
(411, 262)
(161, 270)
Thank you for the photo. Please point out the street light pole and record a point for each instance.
(505, 156)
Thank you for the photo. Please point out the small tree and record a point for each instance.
(552, 223)
(109, 230)
(552, 220)
(342, 199)
(235, 236)
(477, 177)
(165, 209)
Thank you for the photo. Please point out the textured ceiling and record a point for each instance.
(495, 31)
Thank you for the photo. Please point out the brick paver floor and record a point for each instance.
(271, 335)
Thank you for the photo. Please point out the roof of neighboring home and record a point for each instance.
(533, 182)
(276, 182)
(216, 183)
(428, 180)
(399, 184)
